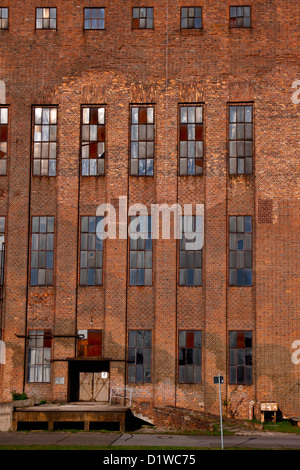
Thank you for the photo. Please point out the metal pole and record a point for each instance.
(221, 412)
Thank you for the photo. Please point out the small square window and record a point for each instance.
(94, 18)
(240, 17)
(142, 18)
(191, 18)
(45, 18)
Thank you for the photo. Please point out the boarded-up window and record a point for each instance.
(91, 343)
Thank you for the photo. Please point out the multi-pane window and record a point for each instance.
(3, 139)
(94, 18)
(191, 140)
(191, 17)
(240, 250)
(142, 18)
(44, 141)
(91, 251)
(190, 356)
(45, 18)
(42, 251)
(2, 239)
(39, 356)
(3, 18)
(240, 357)
(190, 253)
(142, 140)
(93, 141)
(240, 139)
(140, 261)
(240, 17)
(139, 356)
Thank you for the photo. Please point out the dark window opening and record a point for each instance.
(240, 357)
(190, 356)
(139, 356)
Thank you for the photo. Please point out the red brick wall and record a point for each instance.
(117, 67)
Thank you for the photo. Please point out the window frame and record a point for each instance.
(186, 365)
(42, 19)
(235, 17)
(179, 251)
(136, 347)
(45, 250)
(33, 159)
(84, 18)
(98, 159)
(202, 159)
(95, 251)
(153, 141)
(1, 18)
(191, 28)
(235, 250)
(144, 251)
(133, 28)
(245, 365)
(35, 364)
(244, 140)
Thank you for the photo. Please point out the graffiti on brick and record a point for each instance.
(2, 352)
(296, 354)
(296, 94)
(187, 220)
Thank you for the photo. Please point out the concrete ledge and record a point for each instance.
(7, 410)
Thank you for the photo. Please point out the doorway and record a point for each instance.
(88, 380)
(94, 386)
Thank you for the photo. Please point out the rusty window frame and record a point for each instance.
(190, 261)
(191, 18)
(94, 18)
(39, 356)
(241, 357)
(91, 251)
(141, 252)
(46, 18)
(240, 16)
(189, 356)
(191, 139)
(142, 140)
(142, 18)
(42, 250)
(240, 250)
(44, 140)
(93, 141)
(139, 356)
(240, 137)
(4, 122)
(4, 18)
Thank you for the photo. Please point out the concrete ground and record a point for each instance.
(259, 440)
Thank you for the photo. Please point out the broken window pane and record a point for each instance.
(139, 356)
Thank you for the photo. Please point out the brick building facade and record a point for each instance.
(161, 102)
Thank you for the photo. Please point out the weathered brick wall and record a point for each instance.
(117, 67)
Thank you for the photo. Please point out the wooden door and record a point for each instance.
(101, 386)
(86, 386)
(94, 386)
